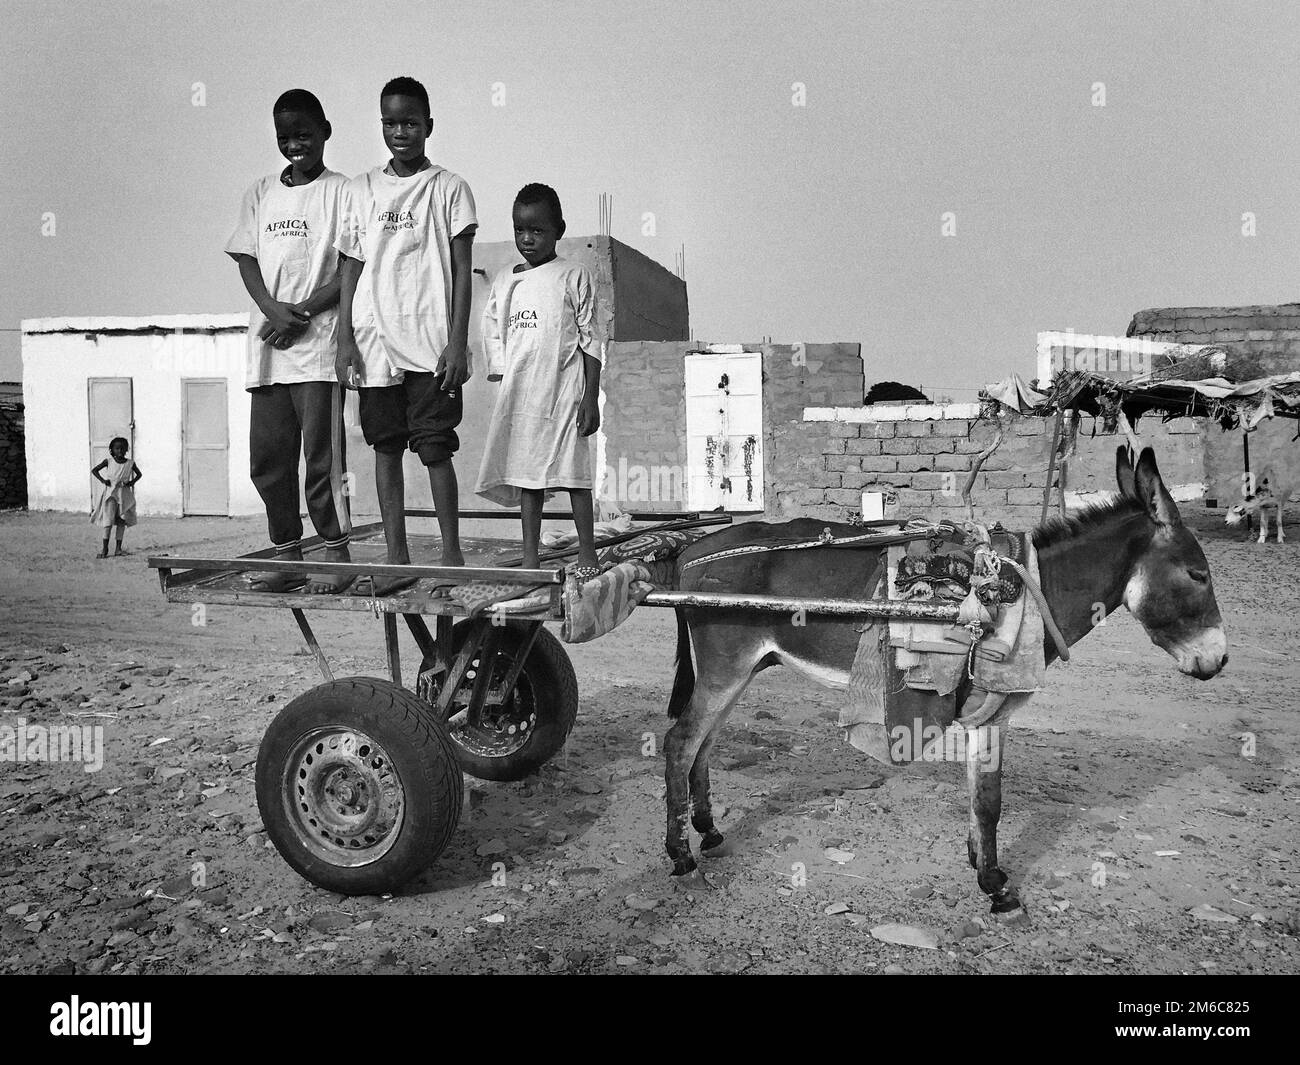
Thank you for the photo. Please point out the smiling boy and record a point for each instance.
(404, 318)
(284, 245)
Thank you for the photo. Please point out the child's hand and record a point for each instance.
(348, 366)
(588, 416)
(284, 324)
(454, 366)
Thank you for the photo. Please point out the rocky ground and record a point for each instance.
(1142, 836)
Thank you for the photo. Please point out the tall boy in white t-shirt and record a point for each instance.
(284, 244)
(404, 318)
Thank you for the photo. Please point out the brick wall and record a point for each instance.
(644, 418)
(820, 467)
(645, 405)
(1260, 341)
(796, 376)
(13, 458)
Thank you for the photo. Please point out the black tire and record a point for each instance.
(533, 726)
(358, 785)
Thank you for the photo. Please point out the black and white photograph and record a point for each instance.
(671, 487)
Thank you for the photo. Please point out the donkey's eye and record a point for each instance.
(1200, 576)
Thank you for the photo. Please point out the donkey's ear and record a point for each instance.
(1124, 472)
(1152, 493)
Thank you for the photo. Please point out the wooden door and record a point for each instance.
(205, 447)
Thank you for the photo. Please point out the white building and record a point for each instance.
(173, 385)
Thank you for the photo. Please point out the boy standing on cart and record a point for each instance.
(538, 341)
(284, 245)
(404, 319)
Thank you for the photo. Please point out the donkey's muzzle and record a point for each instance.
(1205, 657)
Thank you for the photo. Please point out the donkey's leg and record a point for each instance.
(701, 805)
(686, 746)
(1263, 525)
(1280, 504)
(984, 778)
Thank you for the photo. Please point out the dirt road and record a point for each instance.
(1145, 833)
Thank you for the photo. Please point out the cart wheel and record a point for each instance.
(358, 785)
(518, 737)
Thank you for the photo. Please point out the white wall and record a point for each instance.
(56, 368)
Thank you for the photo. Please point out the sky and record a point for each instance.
(805, 155)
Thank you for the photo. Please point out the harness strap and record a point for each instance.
(825, 540)
(1062, 648)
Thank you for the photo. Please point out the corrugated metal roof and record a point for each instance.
(154, 323)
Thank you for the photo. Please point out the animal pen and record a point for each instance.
(1183, 385)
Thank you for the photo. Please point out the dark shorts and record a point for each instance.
(415, 414)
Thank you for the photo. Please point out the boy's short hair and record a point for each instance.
(300, 100)
(118, 440)
(535, 192)
(405, 86)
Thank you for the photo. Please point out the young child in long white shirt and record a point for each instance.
(537, 337)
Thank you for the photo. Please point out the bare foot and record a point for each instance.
(276, 580)
(331, 583)
(374, 587)
(103, 553)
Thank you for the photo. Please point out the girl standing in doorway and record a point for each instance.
(115, 505)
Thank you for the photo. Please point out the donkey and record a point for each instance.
(1134, 550)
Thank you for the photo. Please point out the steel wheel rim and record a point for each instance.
(498, 731)
(344, 796)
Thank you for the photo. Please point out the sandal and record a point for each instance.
(581, 574)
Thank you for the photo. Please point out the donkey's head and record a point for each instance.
(1169, 589)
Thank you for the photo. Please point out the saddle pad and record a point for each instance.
(478, 596)
(882, 716)
(651, 546)
(1020, 631)
(596, 607)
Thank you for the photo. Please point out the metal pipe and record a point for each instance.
(359, 569)
(310, 638)
(565, 515)
(391, 646)
(892, 609)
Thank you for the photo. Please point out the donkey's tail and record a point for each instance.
(684, 680)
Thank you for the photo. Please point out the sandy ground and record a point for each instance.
(1141, 837)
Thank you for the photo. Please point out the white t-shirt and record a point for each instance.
(292, 232)
(402, 229)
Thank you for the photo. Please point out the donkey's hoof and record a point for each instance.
(683, 861)
(1010, 912)
(695, 880)
(714, 844)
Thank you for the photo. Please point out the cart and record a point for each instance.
(358, 780)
